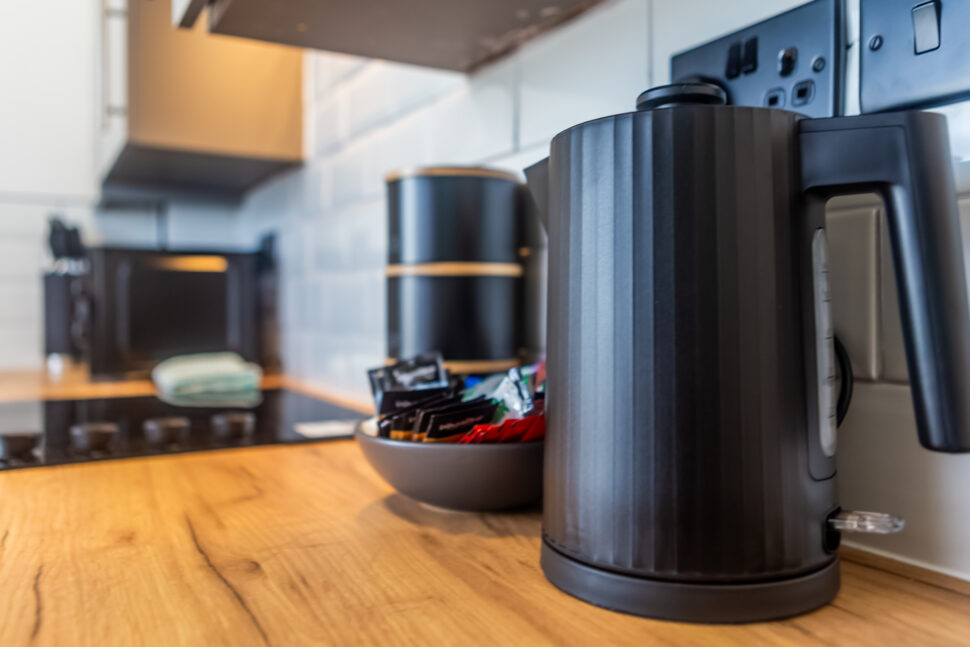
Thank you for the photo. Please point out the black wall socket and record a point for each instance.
(794, 60)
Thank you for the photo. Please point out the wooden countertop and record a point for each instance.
(292, 545)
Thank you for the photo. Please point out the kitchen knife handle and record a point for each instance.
(905, 157)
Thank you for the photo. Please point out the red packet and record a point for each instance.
(513, 430)
(479, 434)
(536, 431)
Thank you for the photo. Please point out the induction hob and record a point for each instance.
(56, 432)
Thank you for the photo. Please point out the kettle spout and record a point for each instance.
(537, 179)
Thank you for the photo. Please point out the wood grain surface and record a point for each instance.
(304, 545)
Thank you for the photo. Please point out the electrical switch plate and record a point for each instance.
(799, 66)
(904, 64)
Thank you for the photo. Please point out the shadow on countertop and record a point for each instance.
(520, 522)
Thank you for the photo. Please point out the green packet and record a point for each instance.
(507, 390)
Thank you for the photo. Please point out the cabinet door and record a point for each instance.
(194, 92)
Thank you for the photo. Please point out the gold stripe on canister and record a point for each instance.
(455, 269)
(452, 171)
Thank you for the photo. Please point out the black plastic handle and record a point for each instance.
(537, 178)
(905, 157)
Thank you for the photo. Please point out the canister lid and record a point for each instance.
(681, 94)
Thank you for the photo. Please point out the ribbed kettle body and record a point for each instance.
(677, 403)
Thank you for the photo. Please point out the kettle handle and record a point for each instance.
(537, 178)
(905, 157)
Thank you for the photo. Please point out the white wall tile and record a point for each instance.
(290, 305)
(21, 416)
(126, 229)
(22, 302)
(350, 174)
(517, 162)
(364, 235)
(386, 90)
(330, 114)
(405, 142)
(316, 182)
(275, 201)
(882, 467)
(360, 168)
(205, 226)
(853, 255)
(892, 350)
(21, 258)
(25, 220)
(590, 68)
(477, 120)
(22, 346)
(330, 69)
(961, 173)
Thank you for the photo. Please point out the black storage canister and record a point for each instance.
(453, 274)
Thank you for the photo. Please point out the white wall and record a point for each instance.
(369, 117)
(47, 112)
(46, 152)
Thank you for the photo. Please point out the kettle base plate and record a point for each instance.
(688, 602)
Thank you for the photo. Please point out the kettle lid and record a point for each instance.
(680, 94)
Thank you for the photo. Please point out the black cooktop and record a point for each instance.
(55, 432)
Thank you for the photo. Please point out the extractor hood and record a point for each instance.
(448, 34)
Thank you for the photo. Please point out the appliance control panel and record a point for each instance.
(914, 53)
(794, 61)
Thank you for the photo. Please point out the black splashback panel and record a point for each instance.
(276, 414)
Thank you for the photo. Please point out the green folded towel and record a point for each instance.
(204, 373)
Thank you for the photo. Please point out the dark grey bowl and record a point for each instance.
(474, 478)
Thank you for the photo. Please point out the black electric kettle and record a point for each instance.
(690, 458)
